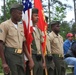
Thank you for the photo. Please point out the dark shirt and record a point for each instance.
(69, 54)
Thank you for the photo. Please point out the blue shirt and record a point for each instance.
(66, 46)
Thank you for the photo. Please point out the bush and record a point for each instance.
(1, 70)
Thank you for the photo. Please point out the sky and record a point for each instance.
(70, 12)
(1, 3)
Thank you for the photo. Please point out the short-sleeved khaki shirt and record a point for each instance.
(48, 46)
(10, 35)
(56, 43)
(38, 37)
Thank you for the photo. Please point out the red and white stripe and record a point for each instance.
(27, 23)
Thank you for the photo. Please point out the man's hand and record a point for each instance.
(25, 65)
(6, 68)
(44, 65)
(31, 64)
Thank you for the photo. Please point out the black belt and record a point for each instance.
(16, 50)
(37, 56)
(49, 57)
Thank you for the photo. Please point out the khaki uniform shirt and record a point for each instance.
(56, 43)
(48, 46)
(38, 37)
(10, 35)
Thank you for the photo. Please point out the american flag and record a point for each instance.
(27, 22)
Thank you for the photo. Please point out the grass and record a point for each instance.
(1, 74)
(69, 71)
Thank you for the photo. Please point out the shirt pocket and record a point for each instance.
(22, 35)
(61, 41)
(36, 36)
(55, 41)
(12, 31)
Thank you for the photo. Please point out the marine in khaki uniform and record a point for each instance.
(12, 37)
(49, 59)
(56, 42)
(37, 53)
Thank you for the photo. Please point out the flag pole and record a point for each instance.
(41, 22)
(31, 56)
(75, 9)
(49, 11)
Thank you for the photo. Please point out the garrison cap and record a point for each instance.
(35, 10)
(17, 6)
(55, 22)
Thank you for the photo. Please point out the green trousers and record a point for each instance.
(50, 71)
(50, 66)
(60, 66)
(37, 70)
(15, 61)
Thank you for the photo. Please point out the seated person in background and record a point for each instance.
(70, 57)
(68, 42)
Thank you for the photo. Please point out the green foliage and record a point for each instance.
(1, 74)
(1, 70)
(64, 29)
(74, 28)
(57, 9)
(7, 9)
(60, 13)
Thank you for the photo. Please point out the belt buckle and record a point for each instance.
(60, 55)
(19, 51)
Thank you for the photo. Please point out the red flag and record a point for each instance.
(41, 22)
(27, 22)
